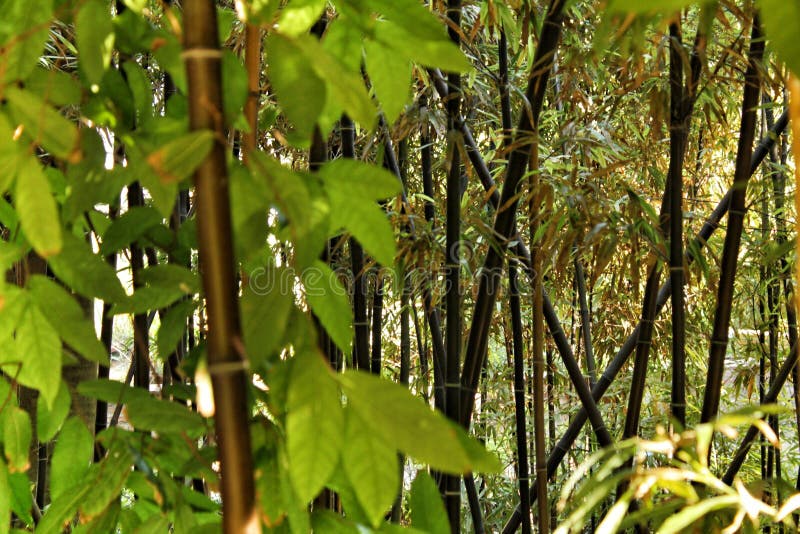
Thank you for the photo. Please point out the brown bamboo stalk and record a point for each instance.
(227, 366)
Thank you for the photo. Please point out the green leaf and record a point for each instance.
(17, 435)
(129, 227)
(23, 45)
(106, 479)
(405, 421)
(38, 348)
(353, 188)
(427, 510)
(314, 424)
(173, 327)
(62, 510)
(179, 158)
(300, 91)
(267, 300)
(163, 285)
(782, 35)
(440, 53)
(328, 300)
(163, 416)
(43, 124)
(371, 465)
(390, 75)
(299, 15)
(49, 421)
(71, 456)
(55, 86)
(85, 272)
(68, 318)
(5, 499)
(94, 35)
(346, 87)
(142, 92)
(37, 209)
(110, 391)
(329, 522)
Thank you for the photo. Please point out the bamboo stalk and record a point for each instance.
(227, 366)
(730, 252)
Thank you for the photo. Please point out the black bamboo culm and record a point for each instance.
(106, 338)
(678, 133)
(229, 376)
(733, 234)
(518, 349)
(141, 338)
(523, 469)
(377, 323)
(451, 484)
(473, 499)
(505, 219)
(621, 357)
(586, 320)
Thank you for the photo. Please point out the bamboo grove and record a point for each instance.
(371, 266)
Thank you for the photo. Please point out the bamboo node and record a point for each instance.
(222, 368)
(202, 53)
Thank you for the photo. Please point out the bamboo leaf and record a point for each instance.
(71, 457)
(782, 36)
(94, 36)
(299, 15)
(17, 435)
(38, 349)
(5, 499)
(163, 416)
(266, 305)
(314, 424)
(690, 514)
(300, 91)
(129, 227)
(179, 158)
(49, 421)
(67, 318)
(371, 465)
(106, 479)
(86, 272)
(390, 75)
(353, 189)
(328, 300)
(653, 6)
(173, 327)
(413, 427)
(43, 124)
(62, 510)
(427, 510)
(37, 209)
(440, 53)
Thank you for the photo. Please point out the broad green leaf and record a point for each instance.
(17, 435)
(105, 522)
(71, 456)
(110, 391)
(162, 193)
(163, 416)
(94, 36)
(62, 510)
(129, 227)
(67, 318)
(371, 465)
(353, 189)
(300, 91)
(178, 159)
(390, 75)
(346, 87)
(141, 91)
(327, 298)
(686, 517)
(37, 209)
(299, 15)
(55, 86)
(329, 522)
(265, 305)
(5, 499)
(405, 421)
(163, 285)
(171, 275)
(234, 88)
(85, 272)
(441, 53)
(49, 421)
(106, 479)
(782, 34)
(38, 348)
(314, 424)
(427, 510)
(173, 327)
(29, 23)
(342, 41)
(12, 154)
(43, 124)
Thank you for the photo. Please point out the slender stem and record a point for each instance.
(229, 376)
